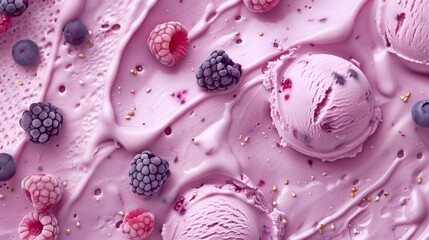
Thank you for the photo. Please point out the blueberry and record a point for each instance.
(7, 167)
(75, 32)
(420, 113)
(25, 52)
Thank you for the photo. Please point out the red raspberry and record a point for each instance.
(43, 191)
(260, 5)
(5, 23)
(138, 224)
(38, 226)
(169, 42)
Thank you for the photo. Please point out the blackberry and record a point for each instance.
(7, 167)
(41, 122)
(148, 173)
(13, 8)
(218, 72)
(75, 32)
(25, 52)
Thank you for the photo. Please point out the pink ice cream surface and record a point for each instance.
(224, 212)
(321, 105)
(405, 27)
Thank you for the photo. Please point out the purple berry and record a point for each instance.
(13, 8)
(420, 113)
(75, 32)
(7, 167)
(26, 53)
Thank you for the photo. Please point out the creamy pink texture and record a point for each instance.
(213, 137)
(321, 105)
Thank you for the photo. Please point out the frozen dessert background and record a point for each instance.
(381, 193)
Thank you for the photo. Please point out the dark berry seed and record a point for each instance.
(25, 52)
(420, 113)
(13, 8)
(7, 167)
(75, 32)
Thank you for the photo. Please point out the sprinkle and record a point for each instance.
(261, 34)
(148, 90)
(65, 183)
(127, 117)
(274, 203)
(299, 10)
(377, 198)
(68, 231)
(419, 180)
(121, 213)
(246, 139)
(133, 91)
(293, 194)
(368, 199)
(20, 83)
(90, 42)
(81, 82)
(286, 182)
(386, 193)
(355, 189)
(133, 71)
(237, 33)
(280, 48)
(89, 32)
(78, 224)
(284, 221)
(1, 196)
(332, 226)
(274, 188)
(81, 55)
(355, 231)
(352, 194)
(320, 228)
(405, 97)
(131, 113)
(402, 133)
(324, 174)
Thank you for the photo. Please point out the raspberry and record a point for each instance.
(41, 122)
(38, 226)
(5, 23)
(13, 8)
(138, 224)
(43, 191)
(218, 72)
(260, 5)
(168, 42)
(148, 174)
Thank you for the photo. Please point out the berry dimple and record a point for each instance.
(43, 191)
(138, 224)
(38, 226)
(260, 5)
(5, 23)
(169, 42)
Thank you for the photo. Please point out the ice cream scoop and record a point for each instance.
(404, 26)
(230, 211)
(321, 105)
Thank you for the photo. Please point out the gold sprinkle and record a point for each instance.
(377, 198)
(405, 97)
(293, 194)
(261, 34)
(78, 224)
(332, 226)
(352, 194)
(286, 182)
(1, 196)
(320, 228)
(355, 231)
(148, 90)
(386, 193)
(133, 71)
(121, 213)
(237, 33)
(419, 180)
(68, 231)
(133, 91)
(284, 221)
(274, 203)
(355, 189)
(127, 117)
(90, 42)
(368, 199)
(20, 83)
(65, 183)
(246, 139)
(274, 188)
(81, 55)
